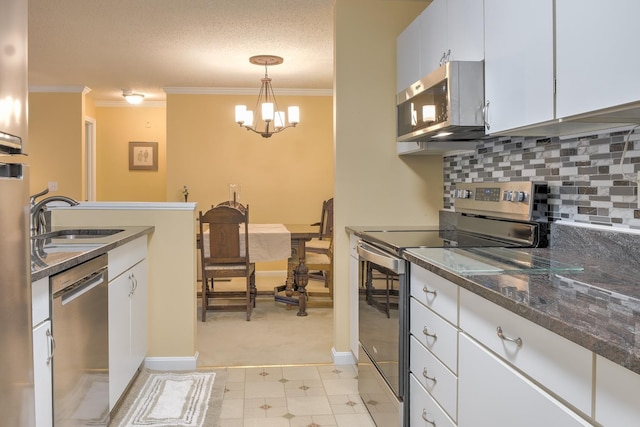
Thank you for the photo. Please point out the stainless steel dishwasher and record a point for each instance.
(81, 353)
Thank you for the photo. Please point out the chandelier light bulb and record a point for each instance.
(241, 112)
(294, 115)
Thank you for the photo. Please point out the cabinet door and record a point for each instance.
(558, 364)
(119, 337)
(423, 410)
(138, 301)
(519, 76)
(433, 36)
(408, 56)
(465, 30)
(490, 393)
(436, 292)
(617, 392)
(42, 374)
(595, 64)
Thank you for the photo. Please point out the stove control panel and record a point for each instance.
(514, 200)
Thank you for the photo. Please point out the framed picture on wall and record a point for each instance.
(143, 156)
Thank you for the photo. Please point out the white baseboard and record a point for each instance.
(343, 357)
(172, 363)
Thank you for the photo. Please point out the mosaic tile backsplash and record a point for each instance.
(585, 178)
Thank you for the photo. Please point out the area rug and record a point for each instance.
(173, 399)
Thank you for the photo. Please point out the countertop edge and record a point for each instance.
(130, 233)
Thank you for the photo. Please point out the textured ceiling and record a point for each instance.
(148, 45)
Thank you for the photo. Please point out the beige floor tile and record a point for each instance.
(311, 420)
(266, 422)
(309, 405)
(304, 388)
(354, 420)
(232, 408)
(265, 407)
(263, 374)
(341, 386)
(347, 404)
(234, 390)
(300, 372)
(254, 390)
(232, 422)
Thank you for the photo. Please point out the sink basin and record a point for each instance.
(79, 233)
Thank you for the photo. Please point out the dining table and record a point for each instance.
(273, 242)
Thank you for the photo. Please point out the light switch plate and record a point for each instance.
(52, 185)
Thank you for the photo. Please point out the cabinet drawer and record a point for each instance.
(423, 410)
(435, 333)
(437, 293)
(40, 301)
(563, 367)
(439, 381)
(124, 257)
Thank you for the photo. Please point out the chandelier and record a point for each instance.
(273, 119)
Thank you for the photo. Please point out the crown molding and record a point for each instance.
(59, 89)
(244, 91)
(122, 104)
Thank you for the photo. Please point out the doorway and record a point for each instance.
(90, 159)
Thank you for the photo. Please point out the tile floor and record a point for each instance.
(293, 396)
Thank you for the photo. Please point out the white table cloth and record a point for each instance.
(267, 242)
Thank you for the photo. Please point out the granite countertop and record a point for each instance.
(597, 308)
(72, 252)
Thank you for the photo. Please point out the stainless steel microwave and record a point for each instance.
(447, 104)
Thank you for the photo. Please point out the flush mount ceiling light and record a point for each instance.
(132, 98)
(273, 119)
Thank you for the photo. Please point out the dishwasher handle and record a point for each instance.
(82, 286)
(381, 258)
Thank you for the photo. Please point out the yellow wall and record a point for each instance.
(56, 129)
(373, 185)
(115, 128)
(284, 178)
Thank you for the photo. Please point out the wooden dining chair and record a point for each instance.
(325, 233)
(237, 205)
(222, 258)
(322, 263)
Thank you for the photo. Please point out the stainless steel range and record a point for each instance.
(487, 216)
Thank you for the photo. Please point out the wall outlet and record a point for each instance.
(52, 185)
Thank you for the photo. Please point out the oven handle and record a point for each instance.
(377, 256)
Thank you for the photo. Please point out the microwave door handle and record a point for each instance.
(485, 113)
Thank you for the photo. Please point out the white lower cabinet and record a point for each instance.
(423, 410)
(42, 352)
(558, 364)
(492, 394)
(617, 394)
(42, 374)
(127, 315)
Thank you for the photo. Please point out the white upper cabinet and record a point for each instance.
(433, 36)
(596, 65)
(446, 30)
(408, 56)
(518, 53)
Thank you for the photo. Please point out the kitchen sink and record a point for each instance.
(79, 233)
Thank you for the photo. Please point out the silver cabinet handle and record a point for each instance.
(503, 337)
(426, 376)
(426, 290)
(425, 331)
(52, 346)
(424, 417)
(485, 113)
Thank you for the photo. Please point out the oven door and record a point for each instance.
(382, 312)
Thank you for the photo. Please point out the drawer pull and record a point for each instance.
(427, 291)
(503, 337)
(424, 417)
(425, 331)
(426, 375)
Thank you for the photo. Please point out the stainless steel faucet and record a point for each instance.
(38, 210)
